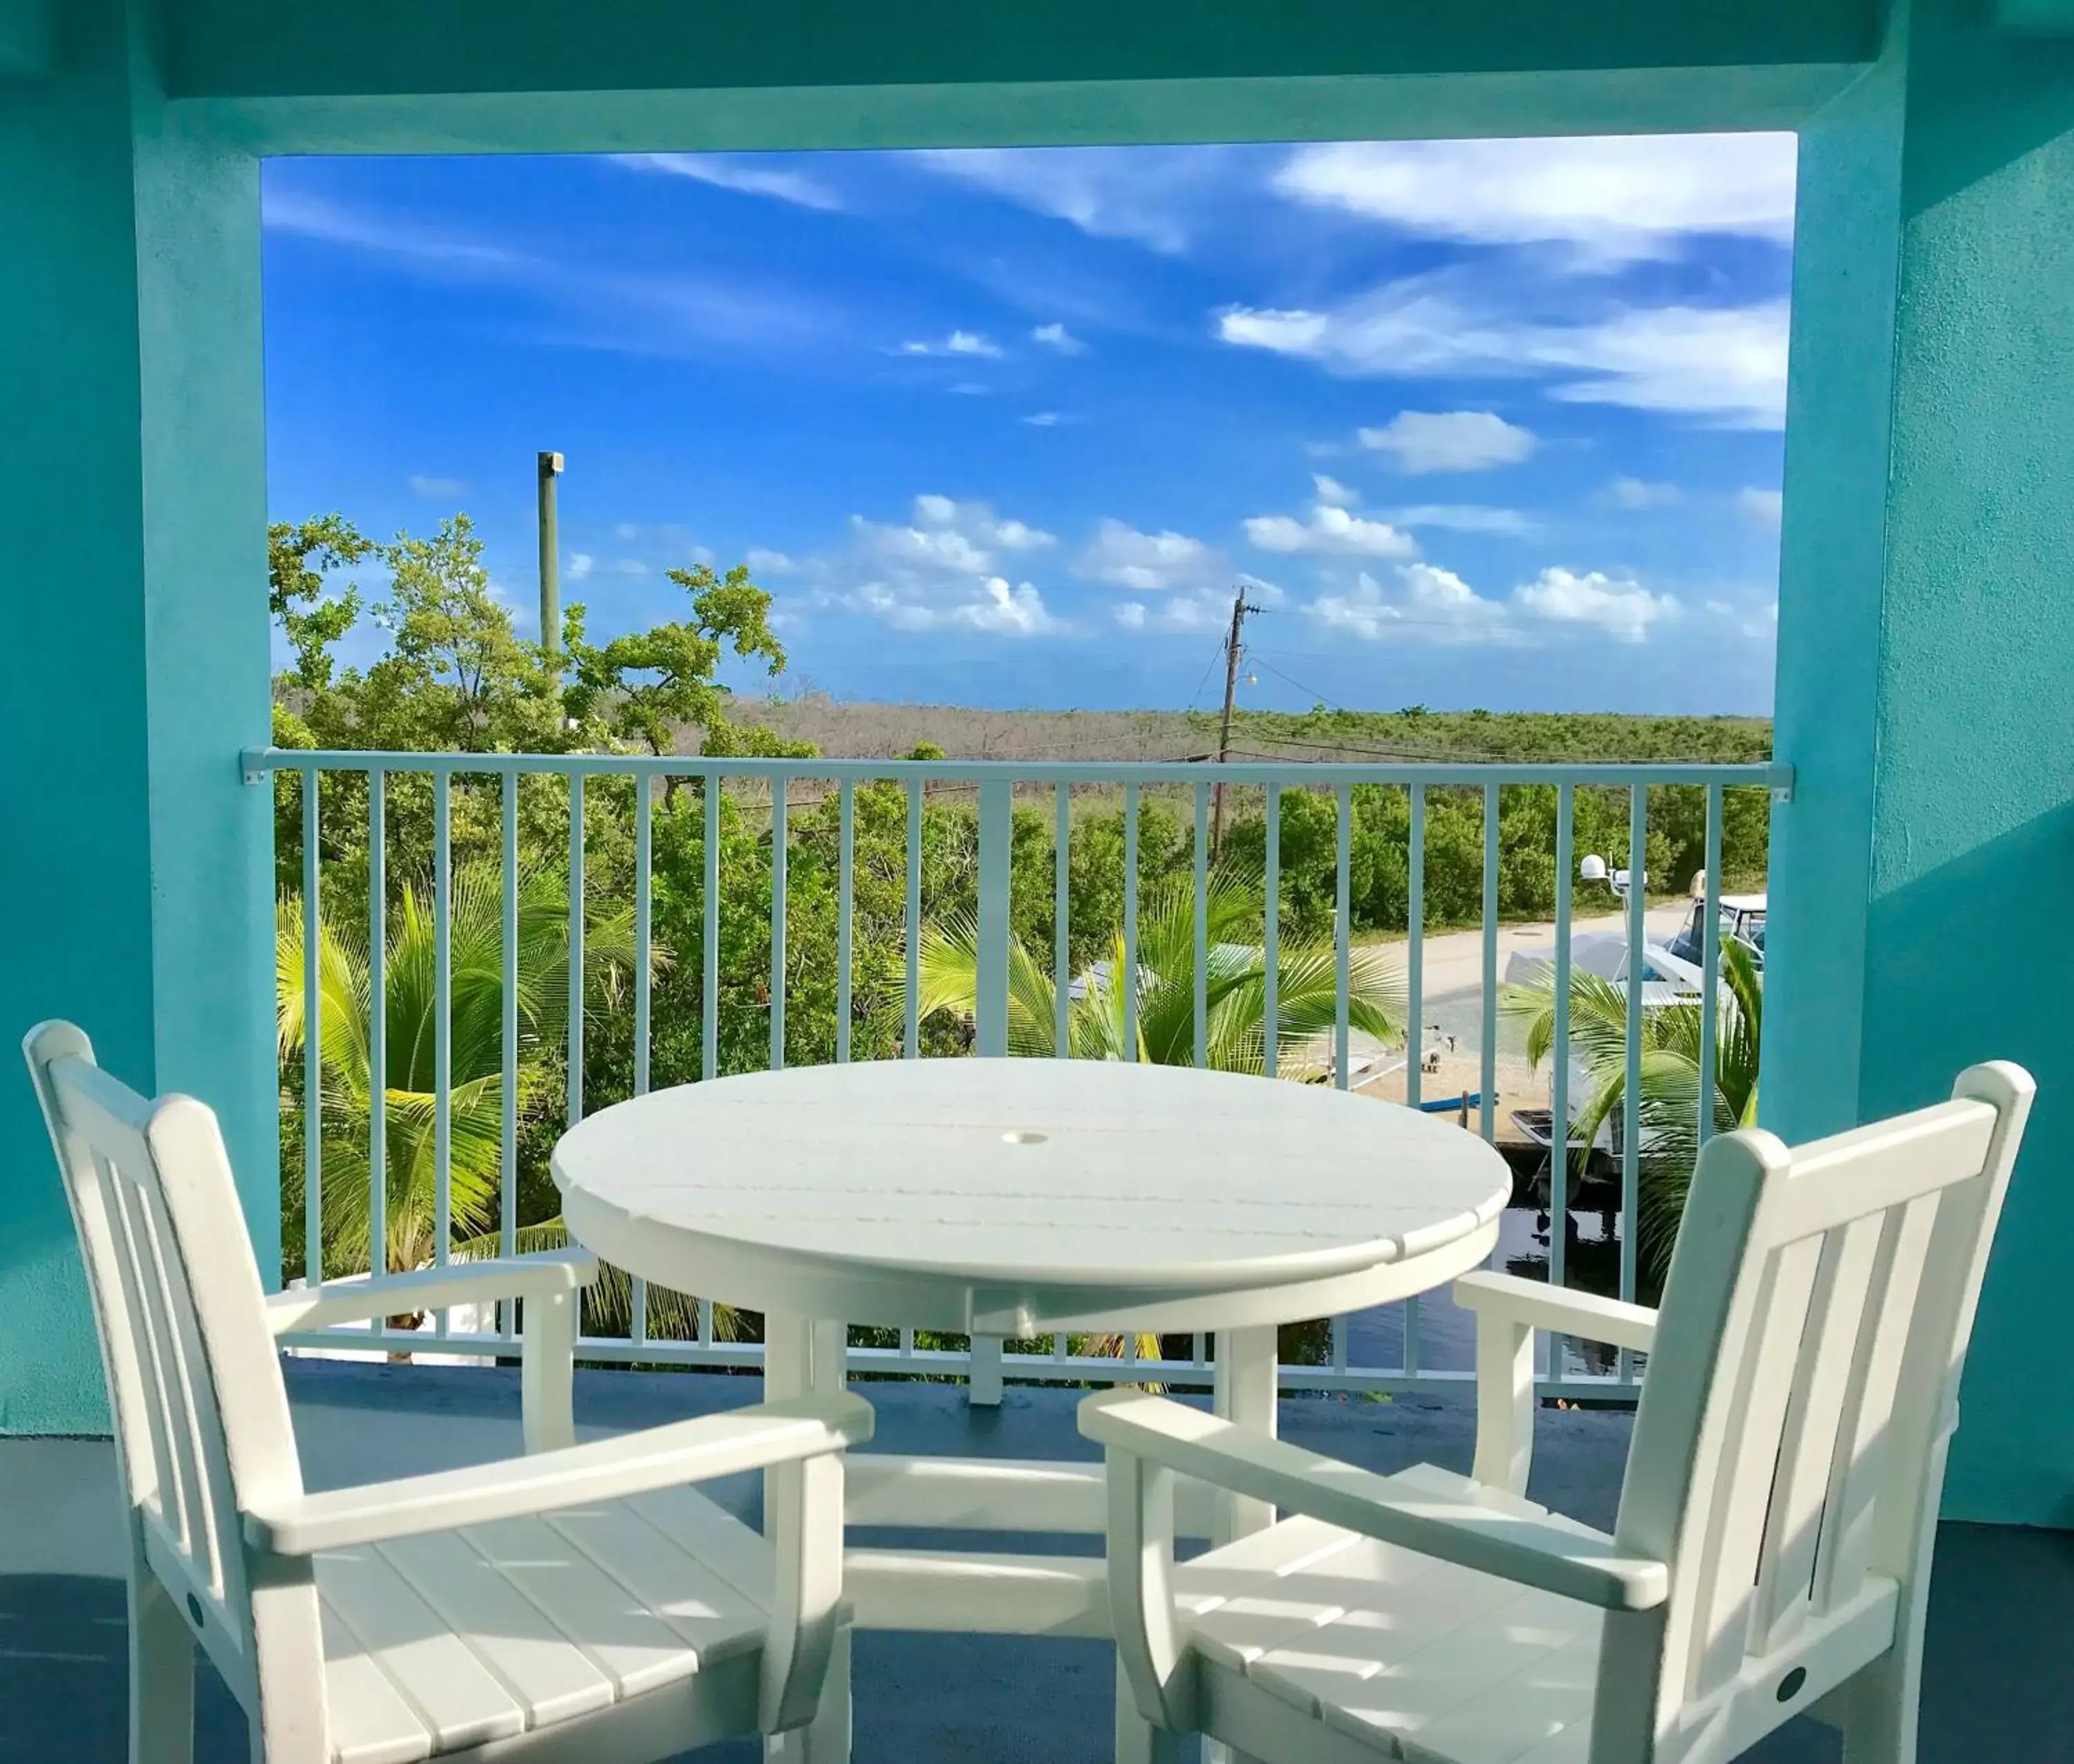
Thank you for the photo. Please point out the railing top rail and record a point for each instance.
(260, 763)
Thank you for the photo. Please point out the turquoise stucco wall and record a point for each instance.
(1925, 682)
(134, 863)
(1925, 666)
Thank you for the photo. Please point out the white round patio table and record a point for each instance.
(1021, 1197)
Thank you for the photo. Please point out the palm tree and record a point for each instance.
(475, 1091)
(1235, 988)
(1668, 1107)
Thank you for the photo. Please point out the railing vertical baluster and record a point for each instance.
(1202, 989)
(1414, 952)
(1062, 913)
(576, 964)
(707, 1331)
(507, 1195)
(1487, 1071)
(911, 1044)
(1270, 939)
(846, 892)
(1201, 1350)
(644, 860)
(778, 867)
(1343, 931)
(1710, 965)
(1559, 1077)
(1415, 1038)
(442, 1026)
(378, 1022)
(997, 812)
(711, 792)
(1128, 979)
(1638, 963)
(312, 1039)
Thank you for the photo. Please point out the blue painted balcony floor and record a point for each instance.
(2001, 1606)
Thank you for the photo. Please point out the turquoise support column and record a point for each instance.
(1926, 684)
(134, 864)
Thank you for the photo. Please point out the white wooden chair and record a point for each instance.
(1772, 1553)
(579, 1603)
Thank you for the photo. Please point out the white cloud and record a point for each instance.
(1195, 610)
(1332, 492)
(1330, 532)
(1145, 194)
(1623, 608)
(581, 564)
(1723, 364)
(965, 343)
(1616, 197)
(1425, 604)
(1057, 336)
(991, 606)
(945, 537)
(626, 530)
(1043, 419)
(444, 489)
(1420, 441)
(1144, 563)
(765, 563)
(1466, 518)
(739, 172)
(1763, 508)
(1634, 493)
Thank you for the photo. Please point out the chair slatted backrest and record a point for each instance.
(1788, 1454)
(201, 1412)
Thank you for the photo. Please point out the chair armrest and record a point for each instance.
(1509, 1310)
(1562, 1309)
(1525, 1550)
(714, 1445)
(547, 1276)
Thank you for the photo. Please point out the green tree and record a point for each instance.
(1669, 1105)
(647, 686)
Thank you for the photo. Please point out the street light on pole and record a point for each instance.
(550, 466)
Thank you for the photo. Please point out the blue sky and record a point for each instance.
(1491, 423)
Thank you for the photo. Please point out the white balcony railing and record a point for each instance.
(346, 801)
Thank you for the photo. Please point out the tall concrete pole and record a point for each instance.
(551, 564)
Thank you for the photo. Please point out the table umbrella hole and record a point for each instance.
(1024, 1136)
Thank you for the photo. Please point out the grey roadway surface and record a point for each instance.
(2001, 1613)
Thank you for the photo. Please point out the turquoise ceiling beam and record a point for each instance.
(400, 76)
(28, 39)
(2037, 18)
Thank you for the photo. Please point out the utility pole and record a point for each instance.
(1233, 651)
(551, 565)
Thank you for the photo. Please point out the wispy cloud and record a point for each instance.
(1043, 419)
(596, 306)
(748, 175)
(1419, 441)
(970, 344)
(944, 569)
(1614, 198)
(1149, 194)
(1194, 610)
(1466, 518)
(1723, 364)
(1635, 493)
(1330, 531)
(1056, 336)
(445, 490)
(1761, 508)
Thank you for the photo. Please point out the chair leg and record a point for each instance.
(162, 1674)
(826, 1739)
(1138, 1741)
(1879, 1708)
